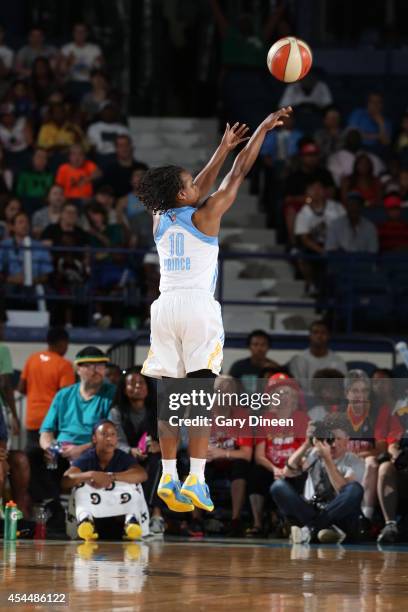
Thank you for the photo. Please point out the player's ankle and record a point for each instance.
(197, 468)
(170, 467)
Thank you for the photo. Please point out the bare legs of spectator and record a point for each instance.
(370, 487)
(238, 490)
(19, 480)
(387, 490)
(257, 506)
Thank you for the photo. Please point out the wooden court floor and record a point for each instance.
(174, 575)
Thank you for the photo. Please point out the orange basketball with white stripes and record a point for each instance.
(289, 59)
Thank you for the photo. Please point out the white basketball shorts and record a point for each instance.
(186, 334)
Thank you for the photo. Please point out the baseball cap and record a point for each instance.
(280, 379)
(309, 148)
(90, 354)
(392, 201)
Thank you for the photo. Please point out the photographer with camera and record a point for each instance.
(333, 493)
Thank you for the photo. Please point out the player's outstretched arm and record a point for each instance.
(232, 137)
(207, 218)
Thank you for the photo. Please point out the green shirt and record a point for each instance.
(6, 364)
(35, 185)
(72, 417)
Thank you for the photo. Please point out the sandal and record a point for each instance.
(254, 532)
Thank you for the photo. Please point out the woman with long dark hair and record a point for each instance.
(134, 414)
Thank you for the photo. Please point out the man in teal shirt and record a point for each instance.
(75, 409)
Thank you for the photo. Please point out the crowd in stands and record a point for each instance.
(68, 175)
(338, 471)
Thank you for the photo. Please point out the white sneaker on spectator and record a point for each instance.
(157, 525)
(331, 535)
(300, 535)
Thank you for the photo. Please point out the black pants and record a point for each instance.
(45, 483)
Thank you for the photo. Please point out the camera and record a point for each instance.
(322, 433)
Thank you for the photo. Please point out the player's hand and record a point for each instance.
(100, 480)
(234, 135)
(276, 119)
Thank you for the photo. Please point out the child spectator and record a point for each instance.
(34, 183)
(109, 473)
(274, 447)
(50, 214)
(77, 176)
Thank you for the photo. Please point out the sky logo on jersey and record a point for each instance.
(177, 264)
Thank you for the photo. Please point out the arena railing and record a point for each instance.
(123, 353)
(348, 284)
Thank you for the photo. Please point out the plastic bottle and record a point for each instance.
(403, 352)
(55, 450)
(11, 515)
(40, 531)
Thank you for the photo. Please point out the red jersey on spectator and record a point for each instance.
(368, 429)
(281, 442)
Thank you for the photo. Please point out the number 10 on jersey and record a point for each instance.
(176, 244)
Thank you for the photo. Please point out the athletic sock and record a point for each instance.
(170, 467)
(197, 467)
(368, 512)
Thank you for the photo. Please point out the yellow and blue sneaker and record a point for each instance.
(169, 492)
(198, 493)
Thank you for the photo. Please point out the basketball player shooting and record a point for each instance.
(186, 325)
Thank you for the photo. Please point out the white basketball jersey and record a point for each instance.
(188, 258)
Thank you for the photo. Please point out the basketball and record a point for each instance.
(289, 59)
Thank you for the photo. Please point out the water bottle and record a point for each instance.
(55, 450)
(403, 352)
(11, 515)
(40, 531)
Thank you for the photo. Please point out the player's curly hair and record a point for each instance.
(159, 187)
